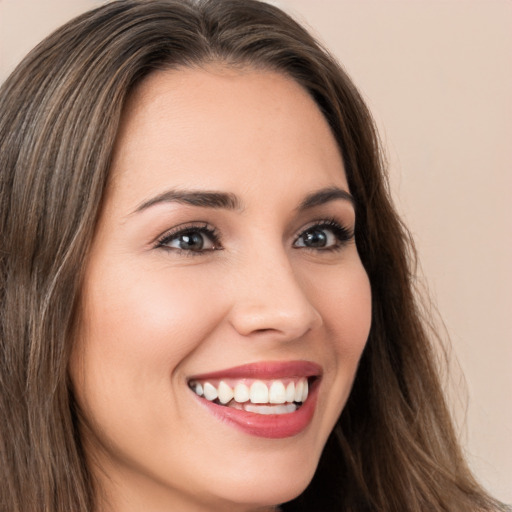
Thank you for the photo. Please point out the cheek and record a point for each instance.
(343, 297)
(143, 316)
(352, 322)
(138, 327)
(352, 314)
(345, 303)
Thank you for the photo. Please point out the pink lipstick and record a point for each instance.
(266, 399)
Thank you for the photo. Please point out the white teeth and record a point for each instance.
(277, 393)
(241, 393)
(210, 392)
(271, 409)
(290, 392)
(260, 409)
(259, 393)
(225, 393)
(291, 407)
(298, 391)
(198, 389)
(305, 391)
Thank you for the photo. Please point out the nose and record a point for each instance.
(269, 299)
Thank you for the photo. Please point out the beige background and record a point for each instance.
(438, 78)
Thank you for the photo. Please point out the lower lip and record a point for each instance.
(271, 426)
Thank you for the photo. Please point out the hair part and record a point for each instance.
(394, 447)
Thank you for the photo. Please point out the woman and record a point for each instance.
(201, 270)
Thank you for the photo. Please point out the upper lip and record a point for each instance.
(265, 370)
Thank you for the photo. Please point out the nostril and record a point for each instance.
(264, 331)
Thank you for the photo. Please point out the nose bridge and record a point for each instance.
(269, 297)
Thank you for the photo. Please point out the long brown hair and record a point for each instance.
(393, 448)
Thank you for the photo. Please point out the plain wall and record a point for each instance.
(438, 77)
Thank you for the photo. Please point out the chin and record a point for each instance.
(269, 484)
(264, 493)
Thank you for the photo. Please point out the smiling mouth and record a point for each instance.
(270, 399)
(273, 396)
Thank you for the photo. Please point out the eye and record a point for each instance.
(325, 235)
(190, 239)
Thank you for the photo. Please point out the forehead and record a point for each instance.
(219, 127)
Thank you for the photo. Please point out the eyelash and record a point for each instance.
(341, 233)
(211, 233)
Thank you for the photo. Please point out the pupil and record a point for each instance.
(191, 242)
(315, 239)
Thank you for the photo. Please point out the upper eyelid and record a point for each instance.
(183, 228)
(330, 221)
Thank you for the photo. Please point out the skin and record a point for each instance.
(154, 316)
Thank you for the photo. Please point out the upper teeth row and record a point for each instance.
(257, 393)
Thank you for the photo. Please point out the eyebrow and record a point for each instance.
(204, 199)
(324, 196)
(229, 201)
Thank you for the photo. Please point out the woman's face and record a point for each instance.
(223, 266)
